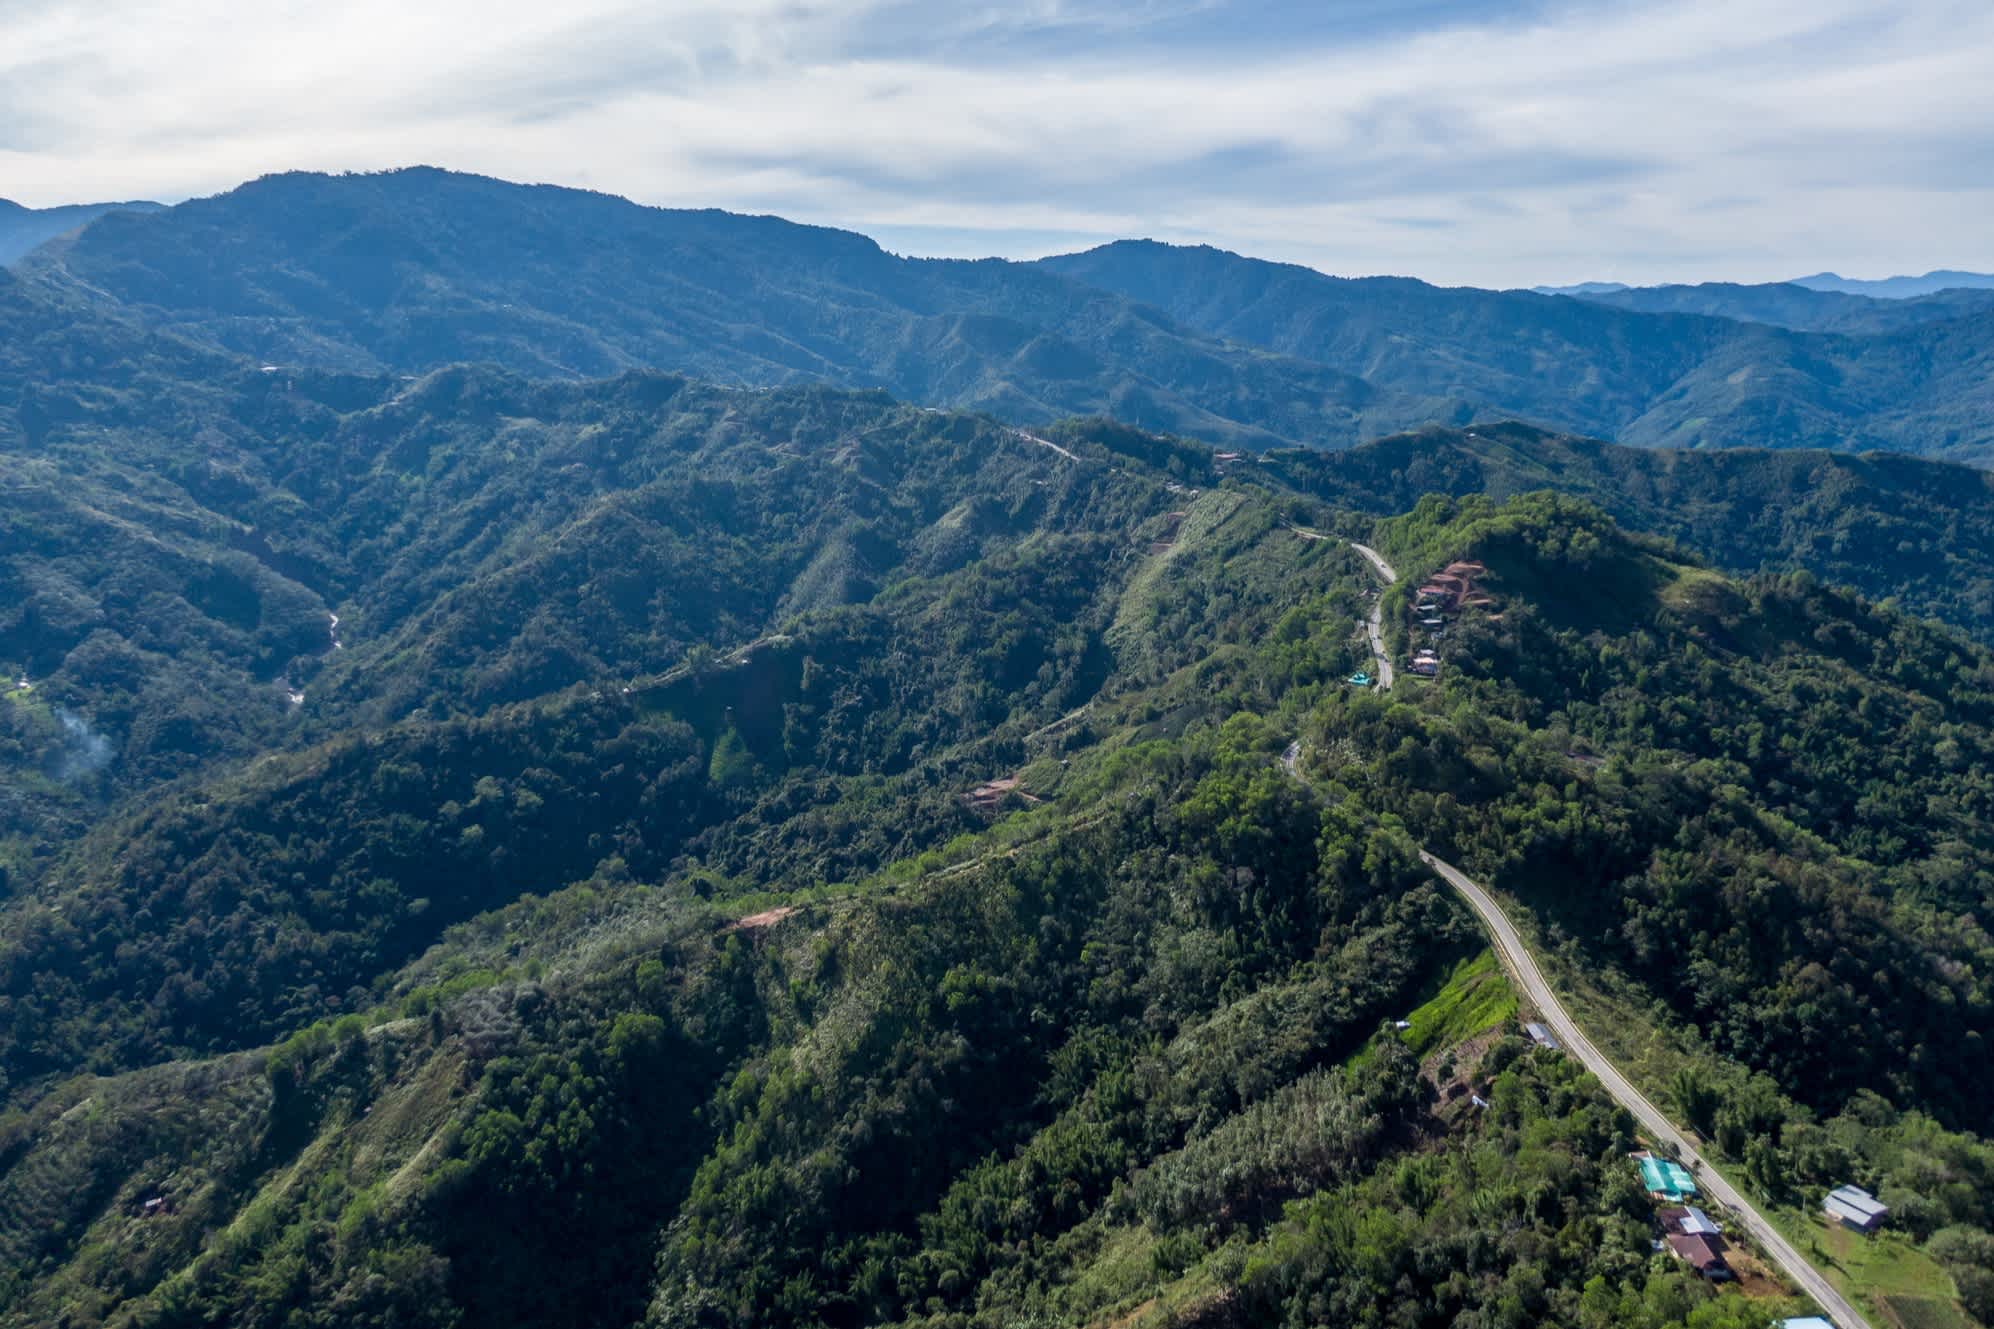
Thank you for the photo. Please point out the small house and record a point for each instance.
(1854, 1207)
(1701, 1254)
(1690, 1221)
(1805, 1322)
(1541, 1036)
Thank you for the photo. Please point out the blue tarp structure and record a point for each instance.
(1669, 1180)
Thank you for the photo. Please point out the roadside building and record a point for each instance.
(1541, 1036)
(1701, 1254)
(1852, 1206)
(1805, 1322)
(1667, 1179)
(1690, 1221)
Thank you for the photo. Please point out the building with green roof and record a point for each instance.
(1667, 1179)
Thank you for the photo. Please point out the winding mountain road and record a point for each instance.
(1376, 626)
(1516, 959)
(1530, 980)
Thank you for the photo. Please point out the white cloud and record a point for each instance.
(1645, 140)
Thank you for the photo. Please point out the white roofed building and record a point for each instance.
(1852, 1206)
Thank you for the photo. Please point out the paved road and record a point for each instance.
(1516, 959)
(1376, 627)
(1030, 437)
(1385, 569)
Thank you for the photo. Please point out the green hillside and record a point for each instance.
(490, 847)
(784, 1031)
(1914, 532)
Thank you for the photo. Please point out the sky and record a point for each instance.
(1505, 143)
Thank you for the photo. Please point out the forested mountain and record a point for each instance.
(1118, 1053)
(1894, 528)
(554, 841)
(23, 229)
(418, 269)
(481, 539)
(1651, 379)
(413, 270)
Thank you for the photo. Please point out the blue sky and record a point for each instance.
(1498, 144)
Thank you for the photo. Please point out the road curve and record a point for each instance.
(1516, 959)
(1376, 625)
(1385, 569)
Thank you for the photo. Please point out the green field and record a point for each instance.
(1475, 996)
(1875, 1270)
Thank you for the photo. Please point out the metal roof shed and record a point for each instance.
(1697, 1223)
(1855, 1207)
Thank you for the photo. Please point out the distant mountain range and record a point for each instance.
(1898, 288)
(1804, 309)
(1584, 288)
(22, 229)
(1884, 288)
(411, 270)
(1639, 377)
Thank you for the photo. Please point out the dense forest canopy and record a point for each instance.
(489, 844)
(1118, 1048)
(1913, 532)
